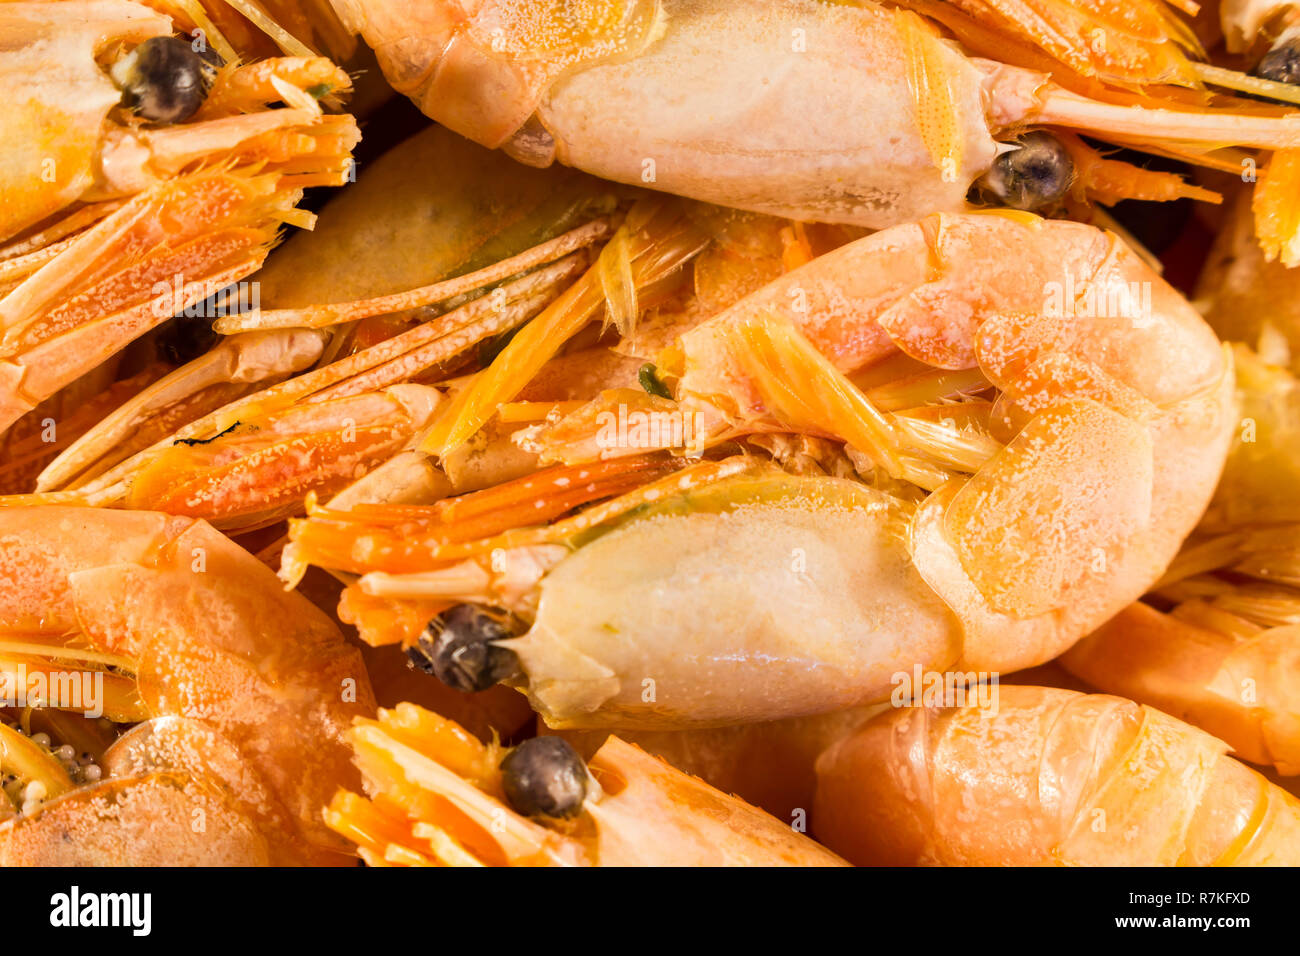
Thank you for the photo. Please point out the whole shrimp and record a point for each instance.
(437, 796)
(138, 178)
(1048, 777)
(1026, 471)
(242, 693)
(830, 112)
(1217, 643)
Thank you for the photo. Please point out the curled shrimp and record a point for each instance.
(240, 694)
(1047, 777)
(117, 217)
(817, 111)
(437, 796)
(1078, 451)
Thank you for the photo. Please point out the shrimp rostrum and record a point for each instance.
(234, 696)
(1007, 462)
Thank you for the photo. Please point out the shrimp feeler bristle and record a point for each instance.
(322, 316)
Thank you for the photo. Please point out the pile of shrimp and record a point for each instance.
(649, 432)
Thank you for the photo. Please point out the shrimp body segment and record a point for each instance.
(240, 684)
(1241, 688)
(1053, 777)
(1224, 654)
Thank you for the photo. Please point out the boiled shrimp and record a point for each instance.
(1070, 468)
(126, 200)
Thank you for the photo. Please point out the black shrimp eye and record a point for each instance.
(457, 647)
(164, 80)
(417, 658)
(1033, 177)
(1282, 63)
(544, 777)
(183, 339)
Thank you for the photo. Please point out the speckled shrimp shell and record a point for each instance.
(240, 692)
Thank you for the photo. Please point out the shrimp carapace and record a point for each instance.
(860, 112)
